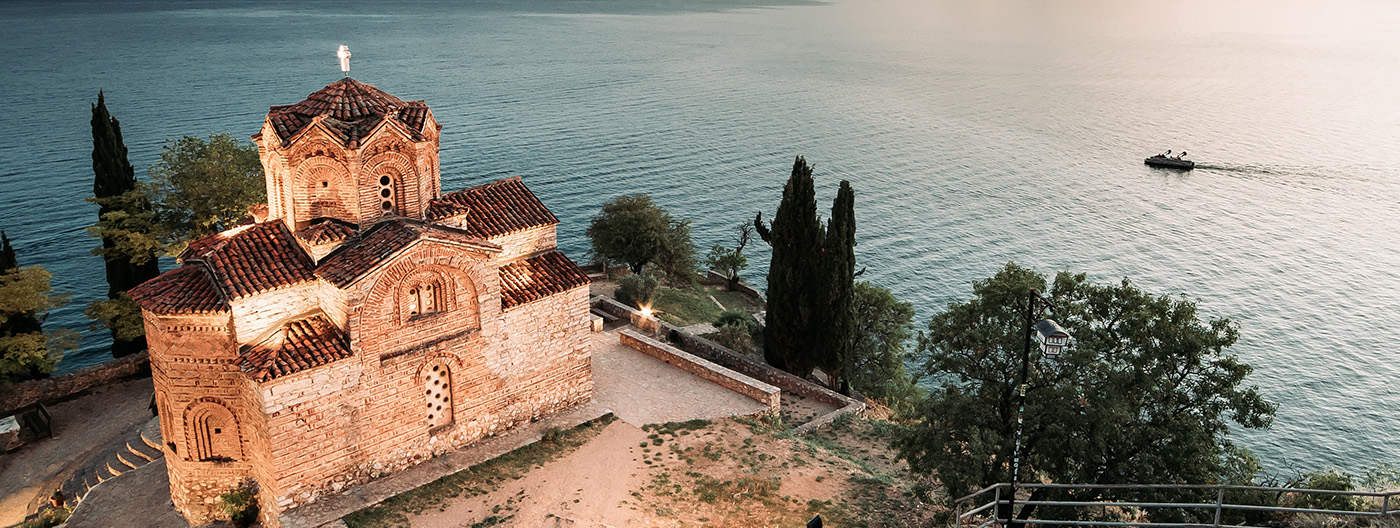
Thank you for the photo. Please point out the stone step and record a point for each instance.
(145, 456)
(128, 463)
(112, 470)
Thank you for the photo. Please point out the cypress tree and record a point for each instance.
(115, 176)
(839, 259)
(794, 275)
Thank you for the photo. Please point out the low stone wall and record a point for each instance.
(713, 277)
(761, 392)
(16, 395)
(758, 370)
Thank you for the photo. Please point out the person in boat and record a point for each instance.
(1166, 154)
(1182, 155)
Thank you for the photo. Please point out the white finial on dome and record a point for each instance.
(344, 54)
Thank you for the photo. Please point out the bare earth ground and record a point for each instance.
(731, 473)
(82, 427)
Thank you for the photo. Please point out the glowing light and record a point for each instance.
(646, 311)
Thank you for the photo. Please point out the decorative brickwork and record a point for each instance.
(347, 335)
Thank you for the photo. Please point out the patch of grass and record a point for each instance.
(735, 300)
(712, 490)
(686, 307)
(477, 480)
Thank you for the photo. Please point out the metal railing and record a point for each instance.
(1364, 504)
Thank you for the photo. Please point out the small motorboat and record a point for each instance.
(1162, 160)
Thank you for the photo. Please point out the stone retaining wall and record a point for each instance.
(47, 390)
(713, 277)
(758, 370)
(761, 392)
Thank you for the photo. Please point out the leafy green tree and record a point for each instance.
(630, 229)
(1145, 395)
(884, 326)
(204, 186)
(730, 262)
(26, 352)
(677, 256)
(113, 185)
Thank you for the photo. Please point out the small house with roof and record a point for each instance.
(362, 321)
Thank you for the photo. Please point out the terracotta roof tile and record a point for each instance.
(494, 209)
(299, 345)
(327, 231)
(184, 290)
(351, 109)
(352, 260)
(532, 279)
(253, 259)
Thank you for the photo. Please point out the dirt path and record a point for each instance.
(587, 489)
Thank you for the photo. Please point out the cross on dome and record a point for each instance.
(344, 54)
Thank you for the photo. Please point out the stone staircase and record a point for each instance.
(114, 460)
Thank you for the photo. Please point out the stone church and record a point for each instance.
(363, 321)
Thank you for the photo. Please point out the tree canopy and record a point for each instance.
(729, 262)
(1146, 394)
(884, 325)
(633, 230)
(25, 298)
(204, 186)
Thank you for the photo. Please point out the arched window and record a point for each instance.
(437, 388)
(423, 294)
(212, 433)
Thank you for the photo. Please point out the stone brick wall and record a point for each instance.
(257, 315)
(364, 417)
(193, 373)
(525, 244)
(16, 395)
(761, 392)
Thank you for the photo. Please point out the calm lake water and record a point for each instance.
(974, 132)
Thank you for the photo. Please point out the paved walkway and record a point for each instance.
(140, 497)
(82, 428)
(643, 390)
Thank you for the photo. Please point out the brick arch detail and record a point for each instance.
(211, 431)
(453, 291)
(378, 315)
(323, 188)
(399, 167)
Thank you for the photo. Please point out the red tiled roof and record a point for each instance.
(494, 209)
(327, 231)
(533, 279)
(348, 263)
(352, 109)
(255, 259)
(184, 290)
(304, 344)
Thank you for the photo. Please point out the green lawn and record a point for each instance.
(689, 306)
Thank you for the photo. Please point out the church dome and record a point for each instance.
(351, 109)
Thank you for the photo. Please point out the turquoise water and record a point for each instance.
(974, 133)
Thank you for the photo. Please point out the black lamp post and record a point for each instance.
(1053, 339)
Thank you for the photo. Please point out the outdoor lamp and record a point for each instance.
(1053, 339)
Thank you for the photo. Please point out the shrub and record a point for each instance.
(49, 518)
(637, 290)
(736, 317)
(240, 503)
